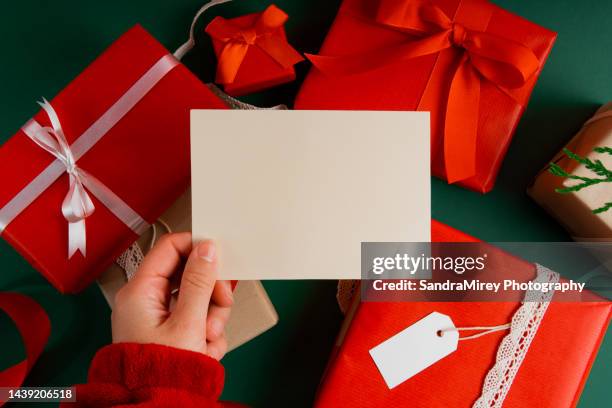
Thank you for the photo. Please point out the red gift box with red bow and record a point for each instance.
(470, 63)
(561, 351)
(82, 178)
(252, 51)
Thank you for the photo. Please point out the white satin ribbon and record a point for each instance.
(77, 204)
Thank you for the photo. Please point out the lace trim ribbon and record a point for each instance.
(515, 344)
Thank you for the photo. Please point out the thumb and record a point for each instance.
(197, 285)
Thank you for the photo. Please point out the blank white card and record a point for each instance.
(292, 194)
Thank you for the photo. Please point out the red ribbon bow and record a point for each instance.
(503, 62)
(264, 34)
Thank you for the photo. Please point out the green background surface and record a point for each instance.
(45, 44)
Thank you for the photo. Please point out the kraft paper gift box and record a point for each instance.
(252, 51)
(470, 63)
(552, 373)
(252, 312)
(81, 180)
(574, 210)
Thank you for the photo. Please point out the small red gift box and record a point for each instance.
(561, 351)
(252, 51)
(470, 63)
(82, 178)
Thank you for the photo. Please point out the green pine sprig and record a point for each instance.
(603, 208)
(595, 166)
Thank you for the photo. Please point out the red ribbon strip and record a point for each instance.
(503, 62)
(264, 34)
(34, 327)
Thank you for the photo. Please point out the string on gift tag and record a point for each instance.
(420, 345)
(485, 330)
(188, 46)
(154, 240)
(154, 231)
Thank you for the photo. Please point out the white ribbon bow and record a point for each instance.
(77, 204)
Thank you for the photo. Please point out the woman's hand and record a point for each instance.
(144, 309)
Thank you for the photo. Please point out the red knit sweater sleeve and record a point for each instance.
(150, 375)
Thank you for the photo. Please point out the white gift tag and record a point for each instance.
(414, 349)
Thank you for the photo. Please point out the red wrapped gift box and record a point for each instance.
(130, 111)
(562, 351)
(252, 51)
(469, 62)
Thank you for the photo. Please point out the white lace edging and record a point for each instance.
(514, 346)
(130, 260)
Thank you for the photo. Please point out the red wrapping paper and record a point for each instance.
(126, 159)
(424, 82)
(562, 351)
(252, 51)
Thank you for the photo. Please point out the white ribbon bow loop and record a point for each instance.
(77, 204)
